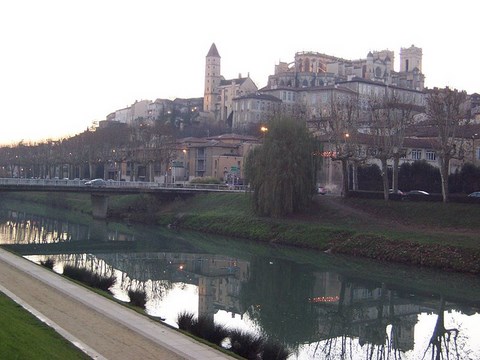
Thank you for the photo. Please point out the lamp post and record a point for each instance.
(186, 165)
(474, 158)
(347, 135)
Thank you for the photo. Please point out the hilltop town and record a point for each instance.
(210, 136)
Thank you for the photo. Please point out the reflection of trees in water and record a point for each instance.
(277, 297)
(375, 341)
(25, 228)
(443, 343)
(87, 261)
(368, 320)
(381, 336)
(156, 290)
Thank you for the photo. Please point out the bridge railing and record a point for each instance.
(45, 182)
(122, 184)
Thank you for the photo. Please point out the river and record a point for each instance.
(320, 306)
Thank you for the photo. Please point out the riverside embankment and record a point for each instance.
(436, 235)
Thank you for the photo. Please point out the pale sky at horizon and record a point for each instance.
(65, 64)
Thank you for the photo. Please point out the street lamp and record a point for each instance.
(186, 165)
(263, 129)
(474, 158)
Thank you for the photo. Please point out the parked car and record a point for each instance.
(417, 192)
(96, 183)
(475, 194)
(321, 190)
(415, 195)
(398, 192)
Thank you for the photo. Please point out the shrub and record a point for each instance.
(137, 297)
(49, 263)
(185, 320)
(205, 328)
(274, 351)
(205, 180)
(89, 278)
(369, 177)
(246, 345)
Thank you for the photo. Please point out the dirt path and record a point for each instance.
(112, 340)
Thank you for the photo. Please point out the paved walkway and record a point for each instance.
(100, 327)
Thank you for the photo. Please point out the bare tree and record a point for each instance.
(339, 123)
(446, 111)
(390, 116)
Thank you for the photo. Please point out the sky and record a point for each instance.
(66, 64)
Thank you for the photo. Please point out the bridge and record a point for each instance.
(99, 194)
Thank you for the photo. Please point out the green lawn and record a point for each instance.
(22, 336)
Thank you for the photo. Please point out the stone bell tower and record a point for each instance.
(212, 79)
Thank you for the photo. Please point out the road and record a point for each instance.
(100, 327)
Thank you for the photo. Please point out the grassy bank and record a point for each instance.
(25, 337)
(444, 236)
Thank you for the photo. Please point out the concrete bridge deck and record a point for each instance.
(99, 194)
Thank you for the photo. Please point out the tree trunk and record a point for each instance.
(355, 176)
(396, 161)
(345, 177)
(385, 178)
(444, 165)
(90, 170)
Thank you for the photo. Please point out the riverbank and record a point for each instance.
(100, 327)
(436, 235)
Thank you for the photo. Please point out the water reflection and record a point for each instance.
(317, 312)
(22, 228)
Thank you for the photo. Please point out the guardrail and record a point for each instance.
(122, 184)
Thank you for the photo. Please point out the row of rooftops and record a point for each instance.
(419, 136)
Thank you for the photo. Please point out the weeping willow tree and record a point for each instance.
(282, 170)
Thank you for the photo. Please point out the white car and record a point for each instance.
(321, 190)
(96, 183)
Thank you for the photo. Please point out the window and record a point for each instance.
(430, 155)
(416, 154)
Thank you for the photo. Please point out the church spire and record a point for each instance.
(213, 52)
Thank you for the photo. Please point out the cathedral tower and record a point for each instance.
(212, 79)
(410, 58)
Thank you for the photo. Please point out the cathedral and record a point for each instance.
(312, 69)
